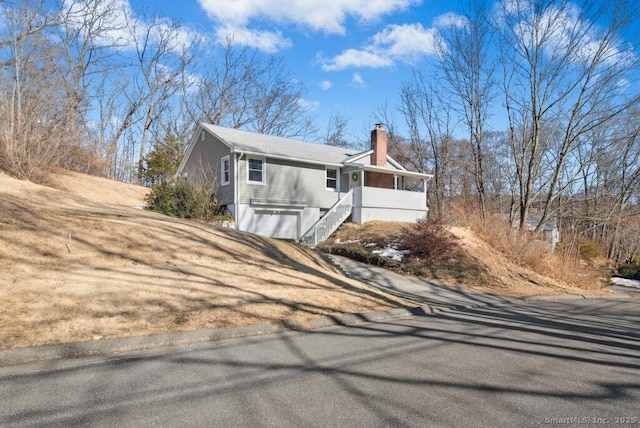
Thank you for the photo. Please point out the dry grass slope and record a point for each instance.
(475, 265)
(80, 263)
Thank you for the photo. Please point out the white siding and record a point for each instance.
(371, 203)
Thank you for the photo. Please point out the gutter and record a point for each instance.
(289, 158)
(373, 168)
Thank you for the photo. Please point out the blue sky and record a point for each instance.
(352, 55)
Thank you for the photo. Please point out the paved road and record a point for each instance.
(506, 364)
(627, 290)
(429, 293)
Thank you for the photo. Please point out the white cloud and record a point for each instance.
(407, 43)
(449, 20)
(512, 6)
(191, 81)
(558, 29)
(308, 105)
(328, 16)
(269, 42)
(356, 59)
(357, 81)
(326, 85)
(610, 54)
(623, 84)
(120, 27)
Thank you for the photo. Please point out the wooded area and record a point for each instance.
(563, 78)
(86, 87)
(529, 109)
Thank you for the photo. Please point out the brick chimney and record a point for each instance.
(379, 146)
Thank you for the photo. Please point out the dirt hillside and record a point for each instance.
(473, 265)
(79, 262)
(507, 278)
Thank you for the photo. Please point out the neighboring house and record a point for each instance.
(285, 188)
(549, 232)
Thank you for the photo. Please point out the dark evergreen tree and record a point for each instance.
(161, 163)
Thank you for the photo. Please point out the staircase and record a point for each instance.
(328, 224)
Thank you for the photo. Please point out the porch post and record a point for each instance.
(395, 182)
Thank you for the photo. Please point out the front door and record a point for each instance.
(354, 180)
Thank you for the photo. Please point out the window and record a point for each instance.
(255, 170)
(332, 178)
(225, 170)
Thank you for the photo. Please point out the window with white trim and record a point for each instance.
(332, 178)
(225, 170)
(255, 170)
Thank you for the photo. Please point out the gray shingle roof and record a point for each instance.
(245, 141)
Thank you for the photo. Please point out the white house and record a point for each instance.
(290, 189)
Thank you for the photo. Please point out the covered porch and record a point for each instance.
(385, 194)
(374, 193)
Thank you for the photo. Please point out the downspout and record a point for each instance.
(236, 187)
(424, 188)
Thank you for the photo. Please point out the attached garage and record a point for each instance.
(276, 224)
(276, 219)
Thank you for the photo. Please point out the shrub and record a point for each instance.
(179, 198)
(428, 240)
(588, 250)
(357, 252)
(631, 271)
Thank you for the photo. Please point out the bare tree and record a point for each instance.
(161, 59)
(466, 61)
(89, 37)
(117, 102)
(30, 94)
(611, 185)
(500, 177)
(396, 143)
(245, 89)
(428, 117)
(565, 74)
(335, 135)
(276, 102)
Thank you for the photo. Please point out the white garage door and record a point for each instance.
(283, 225)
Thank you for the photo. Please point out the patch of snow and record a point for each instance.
(391, 253)
(223, 223)
(350, 241)
(370, 245)
(626, 282)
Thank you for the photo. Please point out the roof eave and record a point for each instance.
(374, 168)
(282, 157)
